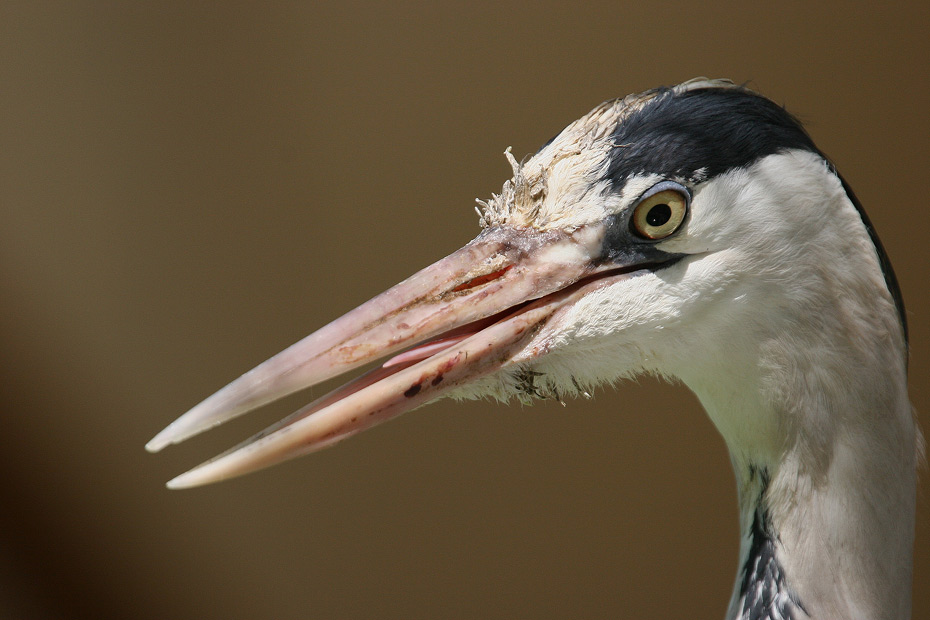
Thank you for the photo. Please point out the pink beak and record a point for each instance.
(469, 315)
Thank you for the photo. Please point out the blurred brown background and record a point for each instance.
(185, 191)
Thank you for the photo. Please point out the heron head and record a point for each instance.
(663, 232)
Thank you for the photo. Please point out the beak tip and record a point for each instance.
(161, 441)
(176, 432)
(176, 483)
(187, 480)
(154, 446)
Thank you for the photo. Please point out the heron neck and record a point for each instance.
(826, 480)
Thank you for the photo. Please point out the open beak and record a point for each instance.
(467, 316)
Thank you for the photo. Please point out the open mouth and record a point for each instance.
(476, 312)
(444, 341)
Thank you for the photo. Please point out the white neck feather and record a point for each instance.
(811, 398)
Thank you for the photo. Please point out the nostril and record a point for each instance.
(475, 282)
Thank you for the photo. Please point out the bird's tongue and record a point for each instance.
(446, 340)
(478, 306)
(423, 351)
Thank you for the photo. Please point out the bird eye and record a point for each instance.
(661, 211)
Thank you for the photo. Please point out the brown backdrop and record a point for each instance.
(187, 190)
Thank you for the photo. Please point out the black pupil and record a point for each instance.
(659, 215)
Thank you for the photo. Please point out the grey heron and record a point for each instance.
(693, 232)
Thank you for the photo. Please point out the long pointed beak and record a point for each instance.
(470, 312)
